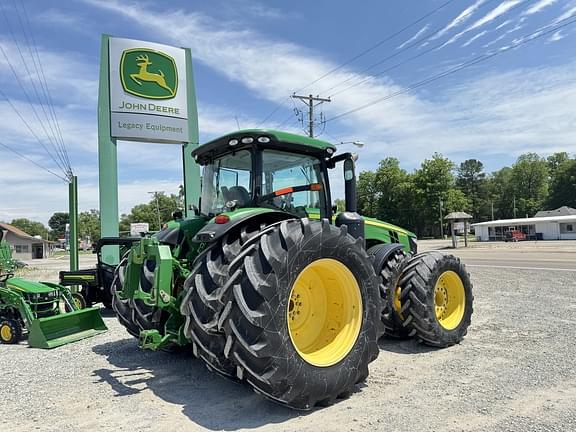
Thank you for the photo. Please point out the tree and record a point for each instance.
(555, 160)
(471, 180)
(368, 193)
(432, 182)
(391, 183)
(89, 225)
(501, 193)
(31, 227)
(340, 204)
(58, 223)
(563, 186)
(530, 183)
(160, 205)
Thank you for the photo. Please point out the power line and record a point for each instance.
(525, 39)
(378, 44)
(32, 161)
(31, 130)
(282, 102)
(401, 51)
(51, 137)
(44, 84)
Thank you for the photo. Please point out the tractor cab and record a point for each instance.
(267, 169)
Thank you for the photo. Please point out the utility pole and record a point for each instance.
(514, 210)
(492, 204)
(310, 103)
(441, 226)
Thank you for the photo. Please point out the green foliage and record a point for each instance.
(31, 227)
(471, 180)
(340, 204)
(563, 185)
(530, 183)
(413, 200)
(159, 209)
(89, 225)
(57, 224)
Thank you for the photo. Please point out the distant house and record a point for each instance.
(562, 211)
(24, 246)
(536, 228)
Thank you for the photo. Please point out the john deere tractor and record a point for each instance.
(268, 284)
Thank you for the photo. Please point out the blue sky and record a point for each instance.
(249, 56)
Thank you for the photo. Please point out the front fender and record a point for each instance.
(212, 231)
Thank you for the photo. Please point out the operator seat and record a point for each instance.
(239, 194)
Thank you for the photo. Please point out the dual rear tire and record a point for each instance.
(428, 296)
(299, 313)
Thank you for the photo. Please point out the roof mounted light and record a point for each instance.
(329, 150)
(263, 139)
(247, 140)
(233, 142)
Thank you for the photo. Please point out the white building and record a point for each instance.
(541, 228)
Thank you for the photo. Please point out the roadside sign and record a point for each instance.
(148, 92)
(137, 228)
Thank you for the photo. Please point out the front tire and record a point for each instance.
(122, 306)
(10, 331)
(304, 320)
(436, 296)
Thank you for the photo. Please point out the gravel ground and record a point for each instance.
(515, 371)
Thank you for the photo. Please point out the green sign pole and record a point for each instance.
(73, 209)
(107, 161)
(191, 169)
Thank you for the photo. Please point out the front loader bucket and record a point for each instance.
(65, 328)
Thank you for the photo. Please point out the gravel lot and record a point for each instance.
(515, 371)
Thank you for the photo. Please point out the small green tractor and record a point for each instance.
(269, 285)
(49, 313)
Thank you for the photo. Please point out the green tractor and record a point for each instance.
(50, 314)
(36, 308)
(269, 285)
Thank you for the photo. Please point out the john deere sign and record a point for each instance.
(147, 92)
(149, 74)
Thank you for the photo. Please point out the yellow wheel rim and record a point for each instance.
(397, 303)
(6, 333)
(77, 303)
(449, 300)
(324, 312)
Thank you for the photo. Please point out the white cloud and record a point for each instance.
(460, 19)
(542, 4)
(570, 11)
(499, 10)
(556, 36)
(413, 38)
(473, 38)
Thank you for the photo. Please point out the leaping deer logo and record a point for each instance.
(143, 75)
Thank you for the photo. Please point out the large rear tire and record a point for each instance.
(207, 292)
(436, 296)
(304, 320)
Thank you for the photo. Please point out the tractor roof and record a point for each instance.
(277, 140)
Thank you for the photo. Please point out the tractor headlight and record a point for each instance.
(233, 142)
(247, 140)
(263, 139)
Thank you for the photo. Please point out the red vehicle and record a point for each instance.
(514, 236)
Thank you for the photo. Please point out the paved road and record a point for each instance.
(517, 259)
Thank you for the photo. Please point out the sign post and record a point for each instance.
(146, 94)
